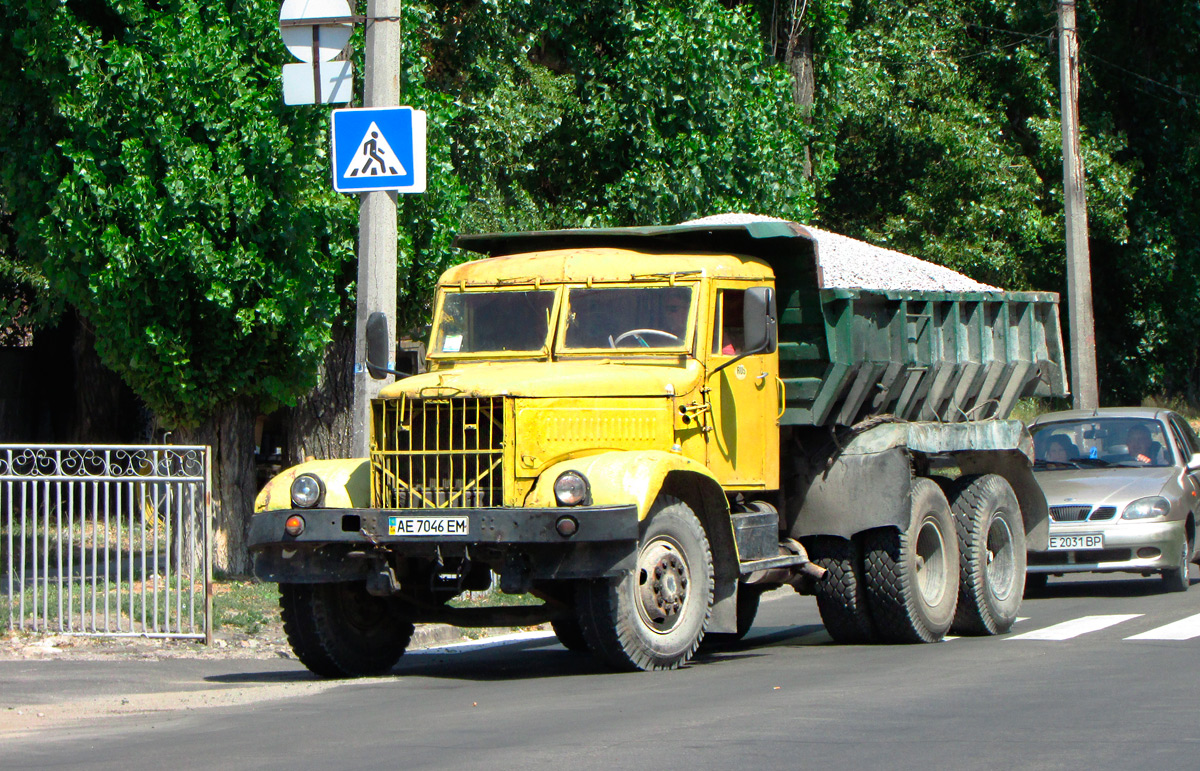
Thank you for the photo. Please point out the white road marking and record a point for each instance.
(1068, 629)
(487, 642)
(1184, 629)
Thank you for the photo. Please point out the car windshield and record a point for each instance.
(627, 317)
(1101, 442)
(493, 322)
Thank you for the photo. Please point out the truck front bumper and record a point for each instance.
(347, 544)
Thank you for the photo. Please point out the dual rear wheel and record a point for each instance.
(958, 565)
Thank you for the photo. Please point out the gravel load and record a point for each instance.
(847, 263)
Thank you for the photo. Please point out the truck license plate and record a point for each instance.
(1081, 541)
(428, 526)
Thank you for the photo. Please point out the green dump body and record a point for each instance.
(847, 355)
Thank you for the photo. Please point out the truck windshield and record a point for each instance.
(493, 322)
(628, 317)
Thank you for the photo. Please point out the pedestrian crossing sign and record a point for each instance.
(379, 148)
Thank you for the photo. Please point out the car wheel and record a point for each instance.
(1176, 579)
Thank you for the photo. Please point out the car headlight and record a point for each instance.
(571, 489)
(306, 491)
(1147, 508)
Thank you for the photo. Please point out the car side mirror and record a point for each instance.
(758, 320)
(1194, 462)
(378, 346)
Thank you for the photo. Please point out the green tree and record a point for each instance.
(168, 195)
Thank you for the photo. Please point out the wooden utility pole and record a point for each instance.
(376, 217)
(1084, 387)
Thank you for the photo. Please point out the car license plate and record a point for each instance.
(1081, 541)
(428, 526)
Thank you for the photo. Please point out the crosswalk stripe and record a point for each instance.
(1068, 629)
(1184, 629)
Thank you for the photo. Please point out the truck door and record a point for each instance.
(743, 447)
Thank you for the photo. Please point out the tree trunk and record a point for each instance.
(320, 422)
(798, 58)
(230, 434)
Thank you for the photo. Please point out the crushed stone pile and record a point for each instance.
(847, 263)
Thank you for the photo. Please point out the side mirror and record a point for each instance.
(1194, 462)
(378, 345)
(758, 318)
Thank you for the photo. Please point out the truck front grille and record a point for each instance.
(437, 453)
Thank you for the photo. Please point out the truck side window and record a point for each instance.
(729, 331)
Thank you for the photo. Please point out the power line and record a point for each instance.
(1139, 76)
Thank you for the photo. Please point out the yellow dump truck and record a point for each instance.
(645, 428)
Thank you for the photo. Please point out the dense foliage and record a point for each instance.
(151, 177)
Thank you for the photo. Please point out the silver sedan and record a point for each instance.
(1123, 485)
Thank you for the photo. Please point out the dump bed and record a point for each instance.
(847, 354)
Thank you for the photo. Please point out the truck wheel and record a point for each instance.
(570, 635)
(339, 630)
(842, 593)
(912, 575)
(654, 616)
(991, 546)
(1176, 579)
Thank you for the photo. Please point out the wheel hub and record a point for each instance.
(1001, 564)
(662, 585)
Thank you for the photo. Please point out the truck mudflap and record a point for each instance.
(345, 544)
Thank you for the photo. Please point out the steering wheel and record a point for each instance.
(637, 333)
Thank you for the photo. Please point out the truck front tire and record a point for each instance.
(912, 575)
(339, 630)
(653, 617)
(991, 543)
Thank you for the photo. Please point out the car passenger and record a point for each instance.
(1059, 449)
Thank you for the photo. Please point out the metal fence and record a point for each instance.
(107, 540)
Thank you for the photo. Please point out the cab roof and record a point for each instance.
(740, 250)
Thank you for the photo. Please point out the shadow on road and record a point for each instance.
(1124, 586)
(524, 660)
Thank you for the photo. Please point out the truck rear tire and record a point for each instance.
(339, 630)
(912, 575)
(842, 593)
(991, 544)
(654, 616)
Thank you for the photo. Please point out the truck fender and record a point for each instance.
(638, 478)
(347, 485)
(1014, 466)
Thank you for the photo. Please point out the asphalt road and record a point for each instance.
(787, 697)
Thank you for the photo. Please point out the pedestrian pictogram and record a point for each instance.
(375, 155)
(379, 148)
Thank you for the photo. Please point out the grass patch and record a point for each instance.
(246, 606)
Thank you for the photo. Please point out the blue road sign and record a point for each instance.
(379, 148)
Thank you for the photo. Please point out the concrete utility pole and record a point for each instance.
(1084, 387)
(376, 217)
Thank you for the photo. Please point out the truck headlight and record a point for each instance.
(1147, 508)
(306, 491)
(571, 489)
